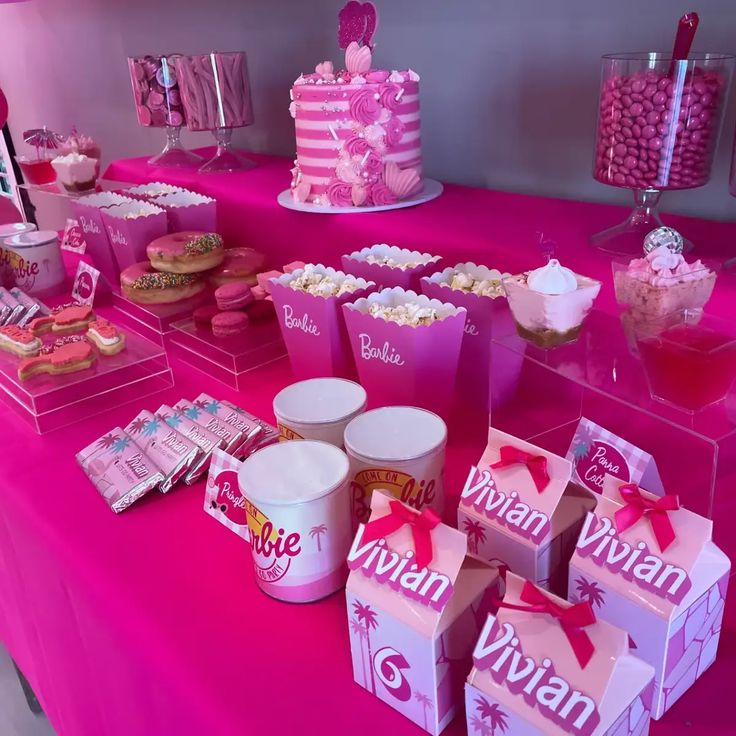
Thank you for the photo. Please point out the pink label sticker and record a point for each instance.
(85, 284)
(72, 239)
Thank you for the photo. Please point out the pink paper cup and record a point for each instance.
(402, 364)
(389, 276)
(313, 327)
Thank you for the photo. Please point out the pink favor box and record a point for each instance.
(88, 212)
(188, 211)
(474, 373)
(527, 679)
(313, 327)
(412, 633)
(387, 276)
(510, 523)
(670, 601)
(129, 237)
(403, 364)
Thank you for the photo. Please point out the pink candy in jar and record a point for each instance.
(156, 90)
(658, 120)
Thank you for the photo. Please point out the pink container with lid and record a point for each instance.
(298, 513)
(34, 260)
(400, 450)
(7, 230)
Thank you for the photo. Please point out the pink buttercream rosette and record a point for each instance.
(405, 364)
(313, 327)
(386, 276)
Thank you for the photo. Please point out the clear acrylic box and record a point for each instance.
(48, 402)
(226, 359)
(545, 392)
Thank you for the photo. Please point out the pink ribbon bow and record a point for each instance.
(536, 464)
(421, 527)
(572, 620)
(656, 511)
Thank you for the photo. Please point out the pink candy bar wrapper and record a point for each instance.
(386, 276)
(129, 238)
(313, 327)
(188, 211)
(169, 449)
(231, 437)
(403, 364)
(207, 441)
(269, 435)
(249, 429)
(119, 469)
(30, 306)
(14, 310)
(88, 213)
(474, 369)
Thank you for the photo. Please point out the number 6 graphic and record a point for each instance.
(388, 665)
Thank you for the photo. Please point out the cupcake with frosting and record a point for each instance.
(550, 303)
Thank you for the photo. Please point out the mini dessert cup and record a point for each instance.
(406, 363)
(480, 290)
(131, 226)
(313, 326)
(389, 265)
(37, 170)
(76, 172)
(692, 363)
(189, 211)
(550, 304)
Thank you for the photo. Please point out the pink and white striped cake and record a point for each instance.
(358, 137)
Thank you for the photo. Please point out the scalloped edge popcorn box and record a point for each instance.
(387, 276)
(528, 681)
(88, 213)
(671, 602)
(406, 364)
(474, 370)
(129, 238)
(412, 630)
(152, 189)
(513, 525)
(188, 211)
(313, 327)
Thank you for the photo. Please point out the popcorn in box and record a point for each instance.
(389, 265)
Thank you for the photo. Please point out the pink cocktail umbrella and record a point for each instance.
(43, 138)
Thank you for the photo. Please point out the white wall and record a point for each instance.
(508, 88)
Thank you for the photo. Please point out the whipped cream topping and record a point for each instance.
(552, 279)
(71, 158)
(320, 284)
(405, 314)
(662, 267)
(463, 281)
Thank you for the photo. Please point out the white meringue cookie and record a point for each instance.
(552, 279)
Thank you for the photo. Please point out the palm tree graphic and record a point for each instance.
(137, 425)
(590, 591)
(359, 631)
(201, 404)
(425, 702)
(476, 534)
(120, 444)
(480, 726)
(213, 406)
(368, 617)
(174, 420)
(497, 718)
(582, 443)
(193, 412)
(317, 532)
(151, 427)
(106, 441)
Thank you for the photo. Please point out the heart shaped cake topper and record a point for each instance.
(402, 182)
(371, 23)
(357, 22)
(357, 58)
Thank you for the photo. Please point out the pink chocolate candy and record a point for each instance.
(265, 277)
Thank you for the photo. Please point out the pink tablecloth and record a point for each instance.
(149, 623)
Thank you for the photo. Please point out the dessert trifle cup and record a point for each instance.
(76, 172)
(308, 304)
(550, 303)
(406, 347)
(389, 265)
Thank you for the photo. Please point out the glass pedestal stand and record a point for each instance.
(226, 157)
(627, 238)
(598, 378)
(174, 153)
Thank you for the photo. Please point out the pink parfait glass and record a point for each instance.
(658, 124)
(215, 91)
(158, 105)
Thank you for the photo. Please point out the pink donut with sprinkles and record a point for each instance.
(189, 251)
(145, 285)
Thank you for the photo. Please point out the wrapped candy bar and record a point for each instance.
(31, 307)
(231, 436)
(171, 451)
(13, 309)
(119, 469)
(268, 436)
(249, 429)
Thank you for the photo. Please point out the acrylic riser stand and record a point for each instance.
(546, 392)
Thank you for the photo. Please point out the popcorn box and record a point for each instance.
(474, 373)
(313, 327)
(521, 511)
(545, 667)
(406, 277)
(401, 363)
(649, 566)
(188, 211)
(415, 606)
(152, 189)
(131, 226)
(88, 213)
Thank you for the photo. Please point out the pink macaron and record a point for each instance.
(235, 295)
(228, 324)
